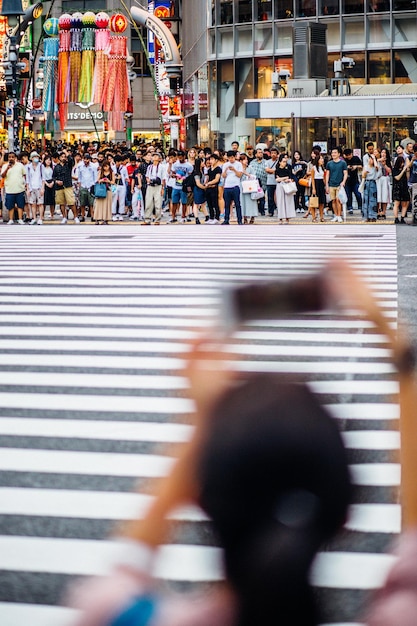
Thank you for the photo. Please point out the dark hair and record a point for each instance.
(399, 162)
(274, 480)
(338, 149)
(231, 153)
(297, 152)
(369, 144)
(316, 159)
(347, 151)
(180, 153)
(282, 156)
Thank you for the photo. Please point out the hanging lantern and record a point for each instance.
(89, 19)
(64, 22)
(102, 20)
(77, 20)
(51, 26)
(118, 23)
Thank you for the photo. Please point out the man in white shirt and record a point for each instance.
(155, 178)
(14, 174)
(87, 177)
(119, 198)
(35, 188)
(271, 183)
(232, 172)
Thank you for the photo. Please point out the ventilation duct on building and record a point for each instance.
(309, 50)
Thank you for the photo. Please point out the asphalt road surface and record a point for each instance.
(94, 326)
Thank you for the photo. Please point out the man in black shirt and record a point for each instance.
(354, 164)
(64, 195)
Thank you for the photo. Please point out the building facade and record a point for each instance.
(249, 42)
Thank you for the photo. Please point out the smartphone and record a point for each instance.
(273, 299)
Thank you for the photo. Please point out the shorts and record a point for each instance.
(35, 196)
(65, 196)
(199, 195)
(333, 191)
(86, 198)
(169, 192)
(15, 199)
(178, 195)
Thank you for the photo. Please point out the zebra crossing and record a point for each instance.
(93, 334)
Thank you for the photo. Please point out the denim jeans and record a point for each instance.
(270, 189)
(353, 190)
(370, 203)
(232, 194)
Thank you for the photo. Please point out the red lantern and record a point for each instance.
(102, 20)
(118, 23)
(64, 22)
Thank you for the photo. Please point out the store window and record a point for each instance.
(403, 5)
(357, 73)
(376, 6)
(141, 66)
(306, 8)
(226, 12)
(263, 78)
(283, 38)
(71, 6)
(379, 64)
(264, 10)
(333, 34)
(284, 9)
(329, 7)
(225, 38)
(244, 40)
(244, 11)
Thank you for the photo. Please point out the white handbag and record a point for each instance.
(290, 188)
(249, 186)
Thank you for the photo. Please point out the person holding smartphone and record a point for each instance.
(14, 175)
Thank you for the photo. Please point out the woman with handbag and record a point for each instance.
(283, 197)
(249, 206)
(318, 193)
(299, 169)
(103, 205)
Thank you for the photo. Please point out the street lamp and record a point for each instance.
(12, 9)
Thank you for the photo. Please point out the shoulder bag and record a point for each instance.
(100, 190)
(290, 188)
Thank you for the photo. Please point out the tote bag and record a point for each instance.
(100, 190)
(289, 188)
(249, 186)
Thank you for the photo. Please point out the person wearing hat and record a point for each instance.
(35, 188)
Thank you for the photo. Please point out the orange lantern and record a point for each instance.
(118, 23)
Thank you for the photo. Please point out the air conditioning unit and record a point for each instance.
(309, 50)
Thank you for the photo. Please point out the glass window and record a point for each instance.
(376, 6)
(352, 6)
(283, 9)
(403, 5)
(405, 30)
(354, 33)
(356, 74)
(244, 11)
(283, 38)
(306, 8)
(333, 34)
(263, 78)
(379, 31)
(212, 44)
(405, 62)
(225, 38)
(226, 12)
(329, 7)
(71, 6)
(213, 13)
(244, 80)
(244, 43)
(379, 67)
(264, 10)
(263, 38)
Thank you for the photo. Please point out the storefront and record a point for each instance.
(386, 118)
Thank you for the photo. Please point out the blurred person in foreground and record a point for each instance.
(261, 440)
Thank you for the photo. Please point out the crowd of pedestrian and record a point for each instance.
(111, 182)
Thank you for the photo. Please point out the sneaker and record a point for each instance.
(172, 220)
(334, 219)
(120, 218)
(207, 218)
(197, 221)
(225, 223)
(402, 221)
(298, 210)
(40, 222)
(32, 222)
(20, 222)
(10, 222)
(114, 218)
(183, 220)
(82, 219)
(76, 220)
(188, 219)
(133, 219)
(211, 221)
(64, 220)
(216, 221)
(340, 218)
(350, 211)
(396, 221)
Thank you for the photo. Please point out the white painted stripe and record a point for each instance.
(174, 383)
(96, 429)
(363, 411)
(337, 570)
(171, 363)
(374, 518)
(372, 439)
(138, 292)
(97, 316)
(343, 570)
(87, 557)
(154, 347)
(12, 614)
(100, 381)
(116, 404)
(376, 474)
(100, 313)
(85, 504)
(88, 463)
(182, 334)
